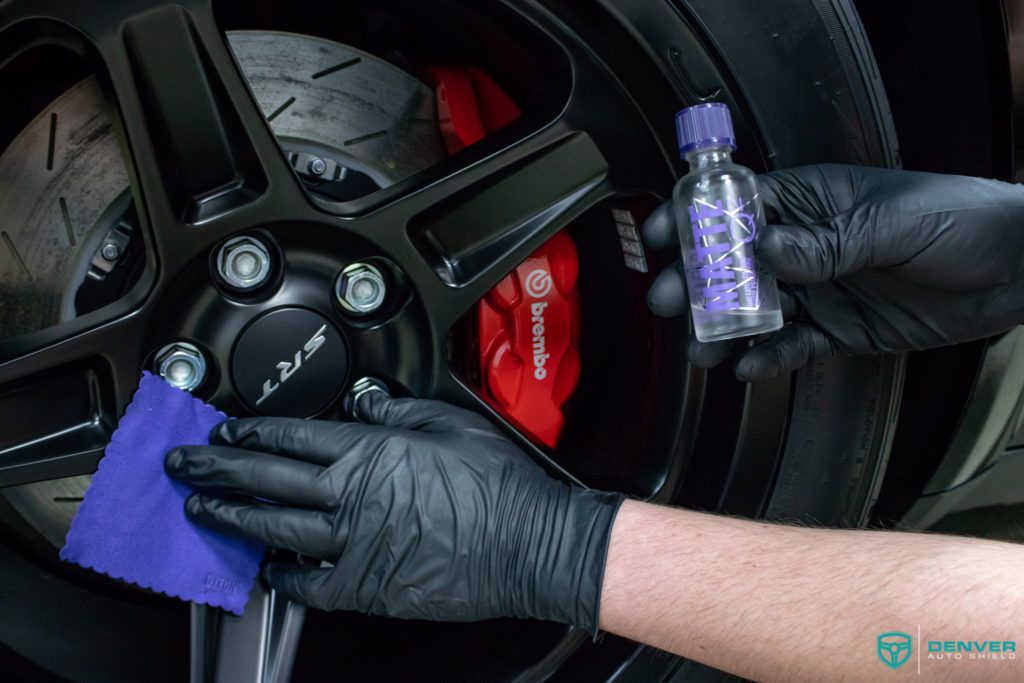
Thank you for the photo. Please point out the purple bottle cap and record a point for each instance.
(704, 125)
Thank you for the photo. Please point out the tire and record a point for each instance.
(802, 81)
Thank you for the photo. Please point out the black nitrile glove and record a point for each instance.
(871, 261)
(427, 513)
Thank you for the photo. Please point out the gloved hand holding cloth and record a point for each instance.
(427, 512)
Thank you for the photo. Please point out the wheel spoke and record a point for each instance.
(84, 378)
(450, 388)
(69, 453)
(258, 647)
(461, 235)
(203, 153)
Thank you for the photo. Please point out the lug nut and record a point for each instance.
(350, 403)
(181, 365)
(244, 262)
(360, 288)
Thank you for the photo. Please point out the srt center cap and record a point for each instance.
(289, 362)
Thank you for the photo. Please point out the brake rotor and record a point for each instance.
(64, 171)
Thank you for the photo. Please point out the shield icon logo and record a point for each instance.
(894, 648)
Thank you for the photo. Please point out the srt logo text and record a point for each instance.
(290, 368)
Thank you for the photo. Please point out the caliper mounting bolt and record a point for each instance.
(316, 166)
(111, 251)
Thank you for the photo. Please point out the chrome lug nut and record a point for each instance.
(360, 288)
(244, 262)
(181, 365)
(350, 403)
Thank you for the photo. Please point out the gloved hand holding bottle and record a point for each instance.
(871, 261)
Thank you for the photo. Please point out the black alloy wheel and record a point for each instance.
(205, 161)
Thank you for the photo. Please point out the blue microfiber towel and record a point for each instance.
(132, 523)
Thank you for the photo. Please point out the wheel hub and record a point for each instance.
(290, 361)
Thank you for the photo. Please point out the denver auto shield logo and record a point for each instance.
(894, 648)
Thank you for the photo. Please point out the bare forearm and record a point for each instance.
(773, 602)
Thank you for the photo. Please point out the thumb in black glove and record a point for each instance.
(871, 261)
(427, 512)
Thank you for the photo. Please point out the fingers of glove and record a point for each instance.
(791, 348)
(710, 354)
(766, 192)
(300, 584)
(802, 254)
(659, 230)
(376, 407)
(314, 441)
(667, 296)
(832, 223)
(251, 473)
(811, 254)
(809, 194)
(790, 305)
(306, 532)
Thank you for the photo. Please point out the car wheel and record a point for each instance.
(165, 131)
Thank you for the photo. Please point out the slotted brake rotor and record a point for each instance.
(63, 179)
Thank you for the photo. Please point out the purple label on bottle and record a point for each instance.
(725, 272)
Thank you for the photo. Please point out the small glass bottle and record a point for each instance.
(718, 213)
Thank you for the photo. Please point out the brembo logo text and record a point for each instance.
(539, 355)
(538, 284)
(290, 368)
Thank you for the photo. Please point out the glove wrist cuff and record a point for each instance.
(572, 558)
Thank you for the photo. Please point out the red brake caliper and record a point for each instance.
(470, 104)
(529, 323)
(529, 339)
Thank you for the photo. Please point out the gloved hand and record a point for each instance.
(871, 261)
(427, 513)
